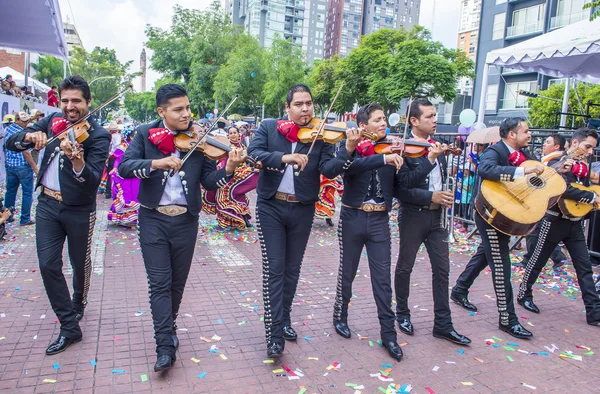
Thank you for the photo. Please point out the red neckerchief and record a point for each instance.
(365, 148)
(431, 141)
(289, 130)
(516, 158)
(580, 170)
(163, 139)
(59, 125)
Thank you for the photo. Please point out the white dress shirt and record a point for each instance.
(51, 177)
(287, 182)
(173, 194)
(519, 171)
(435, 177)
(115, 141)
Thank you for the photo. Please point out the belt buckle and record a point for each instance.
(290, 198)
(368, 207)
(171, 210)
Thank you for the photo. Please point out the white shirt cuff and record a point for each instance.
(519, 172)
(78, 174)
(384, 162)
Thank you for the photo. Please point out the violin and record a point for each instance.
(332, 132)
(213, 147)
(77, 134)
(413, 148)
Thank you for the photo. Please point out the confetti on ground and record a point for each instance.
(278, 370)
(436, 368)
(194, 359)
(268, 361)
(202, 375)
(117, 339)
(49, 381)
(93, 362)
(336, 366)
(314, 358)
(224, 357)
(528, 385)
(510, 358)
(429, 390)
(118, 371)
(478, 359)
(144, 378)
(302, 390)
(56, 367)
(466, 383)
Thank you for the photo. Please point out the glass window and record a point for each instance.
(500, 2)
(491, 97)
(512, 100)
(499, 23)
(527, 20)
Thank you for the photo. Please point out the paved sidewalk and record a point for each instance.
(222, 347)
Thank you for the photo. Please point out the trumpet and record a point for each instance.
(448, 223)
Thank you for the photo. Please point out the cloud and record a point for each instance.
(441, 17)
(120, 25)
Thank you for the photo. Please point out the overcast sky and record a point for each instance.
(120, 24)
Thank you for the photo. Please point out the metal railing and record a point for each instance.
(530, 28)
(564, 20)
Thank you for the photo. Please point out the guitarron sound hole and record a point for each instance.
(536, 181)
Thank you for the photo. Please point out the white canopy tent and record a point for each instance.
(33, 26)
(569, 52)
(20, 80)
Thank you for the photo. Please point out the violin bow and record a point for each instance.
(203, 136)
(86, 117)
(322, 125)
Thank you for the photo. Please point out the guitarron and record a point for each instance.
(575, 209)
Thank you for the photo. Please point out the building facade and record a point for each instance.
(508, 22)
(468, 32)
(71, 35)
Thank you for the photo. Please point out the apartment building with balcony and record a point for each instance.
(507, 22)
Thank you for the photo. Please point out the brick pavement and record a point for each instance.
(220, 327)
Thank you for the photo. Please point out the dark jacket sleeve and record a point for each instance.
(95, 159)
(572, 193)
(414, 196)
(410, 178)
(338, 164)
(134, 163)
(15, 141)
(490, 170)
(211, 178)
(327, 157)
(259, 149)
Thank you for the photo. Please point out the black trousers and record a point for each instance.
(109, 167)
(556, 256)
(168, 244)
(551, 233)
(494, 248)
(357, 229)
(283, 232)
(419, 226)
(56, 222)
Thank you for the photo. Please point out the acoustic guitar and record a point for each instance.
(515, 208)
(575, 209)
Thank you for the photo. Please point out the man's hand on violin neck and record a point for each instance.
(435, 151)
(73, 153)
(39, 138)
(167, 163)
(236, 157)
(353, 137)
(395, 160)
(295, 158)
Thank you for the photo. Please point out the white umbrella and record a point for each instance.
(484, 136)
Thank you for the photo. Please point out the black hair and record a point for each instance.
(583, 132)
(558, 140)
(509, 124)
(415, 108)
(8, 76)
(76, 82)
(364, 113)
(168, 92)
(53, 87)
(297, 88)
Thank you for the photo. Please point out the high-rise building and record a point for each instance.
(505, 23)
(468, 31)
(143, 70)
(314, 29)
(71, 35)
(393, 14)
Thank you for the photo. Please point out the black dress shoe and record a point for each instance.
(79, 315)
(529, 305)
(289, 334)
(163, 363)
(453, 337)
(329, 222)
(464, 302)
(406, 326)
(517, 331)
(394, 350)
(175, 341)
(275, 349)
(342, 329)
(61, 344)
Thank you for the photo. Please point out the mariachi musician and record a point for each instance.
(369, 181)
(69, 177)
(422, 203)
(169, 208)
(557, 227)
(285, 208)
(499, 162)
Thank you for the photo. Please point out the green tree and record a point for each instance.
(193, 49)
(104, 72)
(542, 112)
(324, 80)
(285, 68)
(141, 106)
(390, 65)
(50, 70)
(593, 4)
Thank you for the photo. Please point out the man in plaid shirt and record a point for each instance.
(20, 168)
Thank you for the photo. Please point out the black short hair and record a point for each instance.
(297, 88)
(558, 140)
(168, 92)
(415, 108)
(8, 76)
(364, 113)
(76, 82)
(510, 124)
(53, 87)
(583, 132)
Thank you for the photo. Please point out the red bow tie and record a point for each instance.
(516, 158)
(59, 125)
(365, 148)
(163, 139)
(289, 130)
